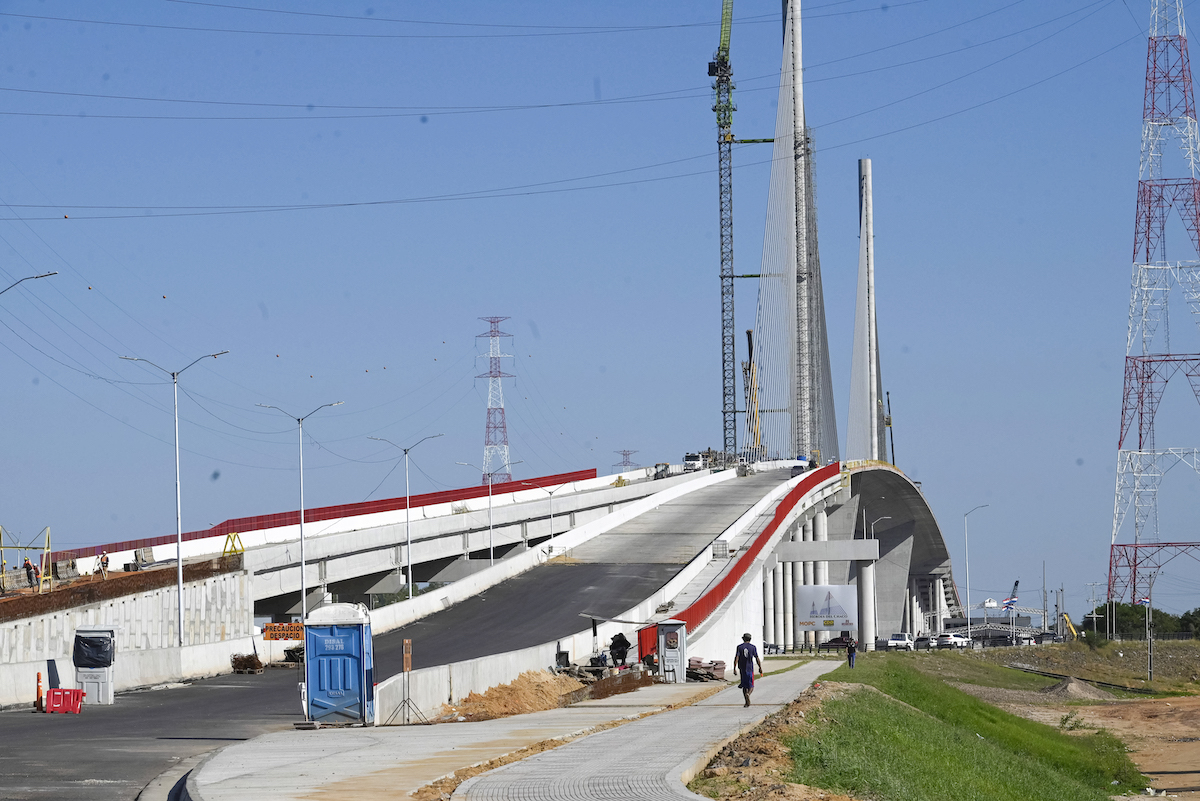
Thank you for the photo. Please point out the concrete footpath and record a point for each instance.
(653, 758)
(392, 762)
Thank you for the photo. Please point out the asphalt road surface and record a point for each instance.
(112, 752)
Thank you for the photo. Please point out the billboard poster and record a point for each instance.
(826, 607)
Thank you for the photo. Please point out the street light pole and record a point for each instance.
(551, 494)
(490, 476)
(407, 509)
(967, 559)
(178, 502)
(300, 444)
(27, 278)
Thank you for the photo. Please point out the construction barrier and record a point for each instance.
(66, 701)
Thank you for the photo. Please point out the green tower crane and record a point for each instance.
(720, 70)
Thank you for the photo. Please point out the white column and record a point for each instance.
(808, 566)
(799, 635)
(778, 580)
(906, 615)
(821, 569)
(789, 609)
(768, 608)
(918, 622)
(939, 603)
(821, 534)
(866, 605)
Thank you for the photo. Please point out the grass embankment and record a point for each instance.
(922, 739)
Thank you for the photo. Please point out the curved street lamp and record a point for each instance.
(407, 509)
(28, 278)
(178, 504)
(490, 476)
(300, 442)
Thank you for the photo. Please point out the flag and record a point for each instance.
(1009, 603)
(1142, 602)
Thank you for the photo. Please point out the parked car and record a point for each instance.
(797, 469)
(923, 643)
(952, 641)
(835, 644)
(901, 642)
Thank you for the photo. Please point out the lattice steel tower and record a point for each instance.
(1166, 184)
(495, 438)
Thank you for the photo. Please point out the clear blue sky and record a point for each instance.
(336, 196)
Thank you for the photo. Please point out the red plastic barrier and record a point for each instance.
(66, 701)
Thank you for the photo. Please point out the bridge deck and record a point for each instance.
(605, 576)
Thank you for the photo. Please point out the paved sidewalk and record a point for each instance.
(647, 759)
(391, 762)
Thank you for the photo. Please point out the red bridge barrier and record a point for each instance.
(316, 515)
(706, 604)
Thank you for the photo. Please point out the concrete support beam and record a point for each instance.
(830, 550)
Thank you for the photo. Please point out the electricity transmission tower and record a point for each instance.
(1167, 189)
(495, 439)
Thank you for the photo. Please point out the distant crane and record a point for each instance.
(720, 69)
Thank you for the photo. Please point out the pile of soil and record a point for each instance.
(754, 767)
(1071, 689)
(532, 691)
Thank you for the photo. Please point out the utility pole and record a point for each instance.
(1094, 585)
(720, 69)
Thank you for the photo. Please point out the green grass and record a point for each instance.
(951, 666)
(961, 748)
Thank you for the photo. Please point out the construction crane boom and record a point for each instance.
(722, 72)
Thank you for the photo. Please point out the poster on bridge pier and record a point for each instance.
(826, 607)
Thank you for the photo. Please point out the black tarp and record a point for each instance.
(93, 651)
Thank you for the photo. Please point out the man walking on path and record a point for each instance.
(851, 650)
(743, 663)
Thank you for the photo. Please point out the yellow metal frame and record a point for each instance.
(233, 544)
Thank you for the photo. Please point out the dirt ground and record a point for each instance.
(532, 691)
(752, 767)
(1163, 734)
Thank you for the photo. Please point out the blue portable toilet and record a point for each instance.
(338, 665)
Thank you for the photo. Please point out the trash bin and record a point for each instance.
(338, 665)
(93, 655)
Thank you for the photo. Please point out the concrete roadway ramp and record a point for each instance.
(606, 576)
(629, 570)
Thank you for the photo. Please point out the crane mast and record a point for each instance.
(720, 69)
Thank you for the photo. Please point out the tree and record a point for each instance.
(1190, 621)
(1131, 619)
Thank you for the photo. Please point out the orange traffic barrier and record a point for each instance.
(37, 705)
(67, 701)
